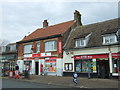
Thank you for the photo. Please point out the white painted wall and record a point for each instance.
(59, 65)
(21, 65)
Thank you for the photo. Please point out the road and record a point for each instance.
(12, 83)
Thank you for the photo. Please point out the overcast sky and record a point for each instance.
(20, 18)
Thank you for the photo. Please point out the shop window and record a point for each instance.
(50, 46)
(50, 65)
(68, 66)
(83, 66)
(116, 64)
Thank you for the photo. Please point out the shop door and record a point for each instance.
(103, 69)
(36, 67)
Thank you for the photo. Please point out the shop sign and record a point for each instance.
(41, 55)
(50, 61)
(114, 55)
(60, 47)
(91, 56)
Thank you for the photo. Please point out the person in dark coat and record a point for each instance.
(16, 67)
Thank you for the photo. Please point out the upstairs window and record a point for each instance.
(80, 42)
(12, 47)
(50, 46)
(38, 47)
(109, 39)
(3, 49)
(27, 48)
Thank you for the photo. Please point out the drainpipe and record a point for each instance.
(110, 61)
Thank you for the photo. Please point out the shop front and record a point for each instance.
(43, 64)
(95, 65)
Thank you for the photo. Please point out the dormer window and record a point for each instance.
(109, 39)
(80, 42)
(83, 40)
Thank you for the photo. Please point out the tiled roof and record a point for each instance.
(49, 31)
(97, 30)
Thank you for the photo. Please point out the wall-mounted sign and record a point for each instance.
(41, 55)
(60, 47)
(91, 56)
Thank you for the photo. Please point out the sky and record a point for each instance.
(18, 19)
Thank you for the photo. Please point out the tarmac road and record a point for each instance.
(12, 83)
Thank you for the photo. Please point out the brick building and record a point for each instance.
(42, 49)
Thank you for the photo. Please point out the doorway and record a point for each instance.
(36, 67)
(103, 68)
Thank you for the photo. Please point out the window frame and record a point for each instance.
(38, 44)
(47, 49)
(68, 66)
(109, 37)
(80, 41)
(29, 48)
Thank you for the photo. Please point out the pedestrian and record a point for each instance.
(16, 71)
(16, 67)
(75, 76)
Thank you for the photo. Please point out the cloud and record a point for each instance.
(19, 18)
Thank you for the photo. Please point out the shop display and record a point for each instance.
(50, 65)
(85, 65)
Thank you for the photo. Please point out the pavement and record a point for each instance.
(67, 81)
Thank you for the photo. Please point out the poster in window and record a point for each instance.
(70, 66)
(51, 65)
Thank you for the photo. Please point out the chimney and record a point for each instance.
(77, 17)
(45, 24)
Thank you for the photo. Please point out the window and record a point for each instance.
(4, 49)
(27, 48)
(12, 47)
(50, 46)
(68, 66)
(83, 66)
(38, 47)
(80, 42)
(109, 39)
(50, 65)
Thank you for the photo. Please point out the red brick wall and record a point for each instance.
(20, 48)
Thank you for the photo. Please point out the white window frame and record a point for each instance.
(50, 46)
(80, 42)
(38, 47)
(109, 37)
(29, 48)
(12, 47)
